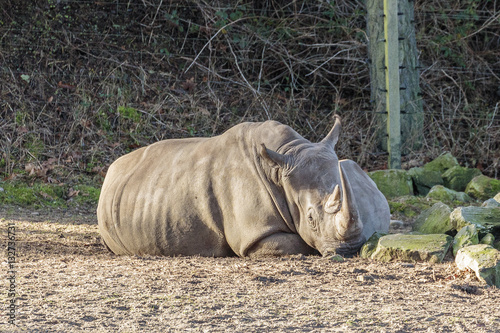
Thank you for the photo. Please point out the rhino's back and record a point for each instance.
(190, 196)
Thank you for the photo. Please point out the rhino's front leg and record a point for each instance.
(280, 244)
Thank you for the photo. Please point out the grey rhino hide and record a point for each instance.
(259, 189)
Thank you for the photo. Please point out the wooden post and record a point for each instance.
(412, 114)
(382, 29)
(392, 82)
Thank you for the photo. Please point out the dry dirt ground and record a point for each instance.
(67, 282)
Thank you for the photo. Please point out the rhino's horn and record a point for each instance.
(332, 137)
(334, 201)
(348, 224)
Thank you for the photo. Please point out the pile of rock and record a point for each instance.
(471, 234)
(441, 179)
(475, 245)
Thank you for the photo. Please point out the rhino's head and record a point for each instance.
(319, 195)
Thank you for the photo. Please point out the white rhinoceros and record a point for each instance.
(259, 189)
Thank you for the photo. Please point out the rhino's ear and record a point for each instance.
(274, 159)
(332, 137)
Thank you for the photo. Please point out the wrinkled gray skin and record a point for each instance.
(259, 189)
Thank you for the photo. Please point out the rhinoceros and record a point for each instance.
(259, 189)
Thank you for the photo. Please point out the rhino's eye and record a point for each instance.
(311, 219)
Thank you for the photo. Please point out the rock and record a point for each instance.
(486, 219)
(488, 239)
(392, 183)
(396, 224)
(336, 258)
(466, 236)
(435, 220)
(442, 163)
(483, 260)
(431, 248)
(439, 192)
(493, 202)
(364, 278)
(424, 180)
(371, 245)
(497, 245)
(483, 187)
(458, 177)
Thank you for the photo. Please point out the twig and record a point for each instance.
(254, 92)
(215, 35)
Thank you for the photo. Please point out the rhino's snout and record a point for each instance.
(345, 249)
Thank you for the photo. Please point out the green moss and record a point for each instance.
(39, 195)
(87, 195)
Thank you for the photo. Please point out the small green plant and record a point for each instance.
(103, 120)
(173, 18)
(129, 113)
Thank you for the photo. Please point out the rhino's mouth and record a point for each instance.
(345, 249)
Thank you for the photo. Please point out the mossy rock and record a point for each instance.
(466, 236)
(424, 180)
(483, 259)
(410, 206)
(458, 177)
(491, 203)
(483, 187)
(486, 219)
(442, 163)
(403, 247)
(371, 245)
(435, 220)
(392, 183)
(488, 239)
(441, 193)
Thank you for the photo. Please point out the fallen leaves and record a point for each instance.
(40, 169)
(66, 86)
(72, 193)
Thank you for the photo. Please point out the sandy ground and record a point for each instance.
(66, 281)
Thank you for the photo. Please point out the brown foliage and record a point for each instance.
(86, 82)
